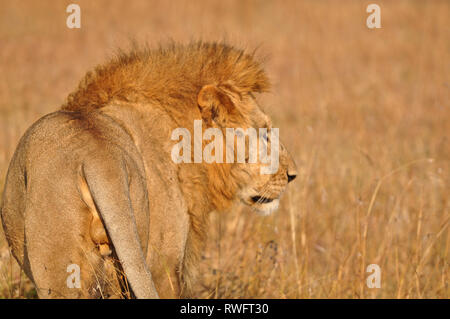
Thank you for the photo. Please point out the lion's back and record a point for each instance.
(42, 172)
(34, 148)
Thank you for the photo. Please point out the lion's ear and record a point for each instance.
(215, 104)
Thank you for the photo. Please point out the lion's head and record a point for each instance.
(260, 180)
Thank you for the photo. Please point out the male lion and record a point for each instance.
(92, 187)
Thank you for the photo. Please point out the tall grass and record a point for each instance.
(365, 113)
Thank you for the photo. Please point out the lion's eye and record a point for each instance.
(265, 137)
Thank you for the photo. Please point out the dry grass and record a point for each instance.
(364, 112)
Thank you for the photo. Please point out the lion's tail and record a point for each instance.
(109, 189)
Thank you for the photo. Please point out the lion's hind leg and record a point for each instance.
(13, 206)
(64, 261)
(70, 270)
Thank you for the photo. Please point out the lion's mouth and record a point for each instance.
(261, 199)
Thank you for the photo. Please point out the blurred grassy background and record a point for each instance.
(365, 113)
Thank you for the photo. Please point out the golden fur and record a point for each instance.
(167, 75)
(114, 131)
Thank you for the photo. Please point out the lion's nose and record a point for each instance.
(291, 177)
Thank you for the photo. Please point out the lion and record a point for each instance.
(93, 205)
